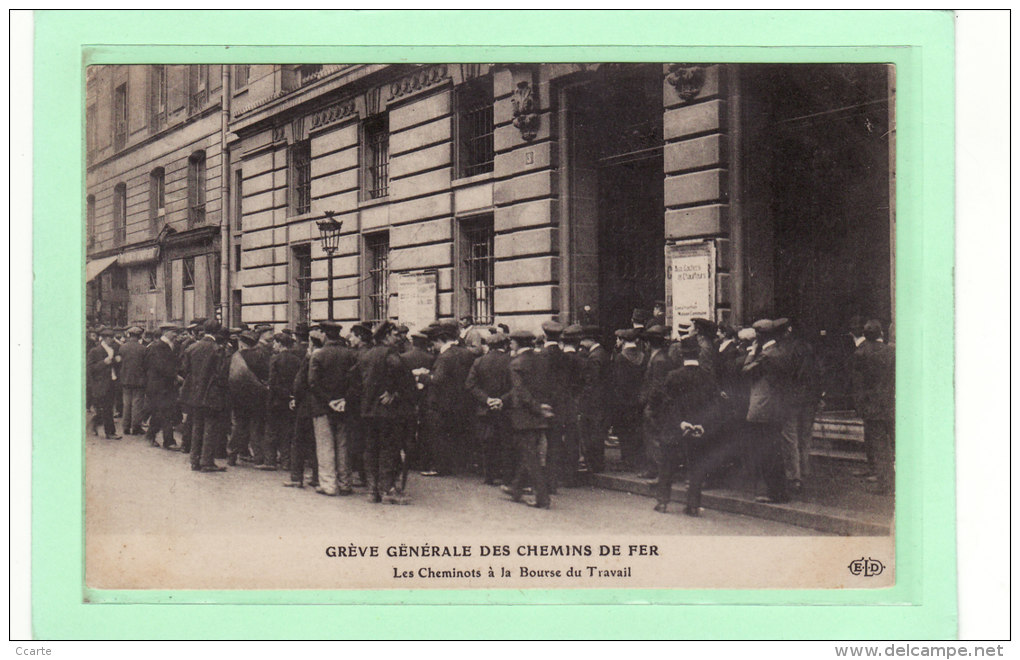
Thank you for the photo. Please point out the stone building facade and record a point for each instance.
(520, 192)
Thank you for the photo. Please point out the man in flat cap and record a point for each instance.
(658, 313)
(132, 376)
(332, 388)
(573, 366)
(161, 380)
(561, 470)
(488, 383)
(361, 341)
(447, 402)
(626, 373)
(283, 368)
(531, 413)
(303, 447)
(249, 392)
(804, 398)
(203, 395)
(386, 387)
(419, 360)
(769, 369)
(655, 421)
(873, 375)
(103, 364)
(592, 400)
(690, 403)
(640, 318)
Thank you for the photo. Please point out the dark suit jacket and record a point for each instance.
(489, 377)
(446, 392)
(160, 375)
(873, 370)
(770, 371)
(283, 368)
(100, 374)
(380, 370)
(690, 394)
(329, 377)
(201, 363)
(626, 373)
(302, 393)
(592, 400)
(658, 367)
(531, 386)
(132, 365)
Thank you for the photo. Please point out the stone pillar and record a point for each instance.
(697, 165)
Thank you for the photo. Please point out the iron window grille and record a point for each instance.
(196, 189)
(119, 213)
(478, 269)
(377, 158)
(120, 117)
(237, 258)
(475, 127)
(377, 248)
(303, 282)
(238, 197)
(301, 177)
(157, 197)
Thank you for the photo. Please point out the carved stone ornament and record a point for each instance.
(277, 133)
(525, 118)
(686, 79)
(419, 80)
(333, 113)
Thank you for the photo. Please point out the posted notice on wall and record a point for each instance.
(691, 282)
(416, 298)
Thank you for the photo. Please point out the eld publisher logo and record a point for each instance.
(867, 567)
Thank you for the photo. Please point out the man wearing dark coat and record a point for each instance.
(447, 402)
(873, 371)
(386, 388)
(132, 376)
(283, 368)
(655, 424)
(161, 386)
(303, 447)
(572, 370)
(203, 396)
(102, 364)
(333, 392)
(592, 401)
(249, 392)
(488, 383)
(626, 371)
(531, 413)
(769, 368)
(415, 438)
(688, 400)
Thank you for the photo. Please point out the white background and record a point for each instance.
(984, 339)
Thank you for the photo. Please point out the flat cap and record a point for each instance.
(496, 339)
(627, 334)
(106, 332)
(640, 315)
(522, 335)
(403, 329)
(362, 330)
(764, 325)
(573, 331)
(704, 325)
(746, 334)
(329, 327)
(657, 331)
(284, 338)
(780, 324)
(134, 330)
(552, 328)
(301, 329)
(249, 337)
(383, 329)
(169, 326)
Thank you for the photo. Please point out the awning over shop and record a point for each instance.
(137, 257)
(94, 268)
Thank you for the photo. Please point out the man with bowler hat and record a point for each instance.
(531, 413)
(283, 368)
(769, 369)
(488, 383)
(161, 386)
(447, 401)
(132, 376)
(331, 387)
(203, 396)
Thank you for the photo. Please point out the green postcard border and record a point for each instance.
(920, 44)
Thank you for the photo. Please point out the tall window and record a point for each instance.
(303, 283)
(377, 253)
(90, 220)
(301, 177)
(477, 268)
(198, 87)
(90, 133)
(377, 158)
(196, 189)
(238, 196)
(474, 127)
(241, 72)
(237, 258)
(120, 117)
(157, 97)
(119, 213)
(157, 198)
(153, 277)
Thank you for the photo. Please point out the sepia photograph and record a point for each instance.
(489, 326)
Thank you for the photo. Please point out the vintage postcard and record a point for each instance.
(379, 323)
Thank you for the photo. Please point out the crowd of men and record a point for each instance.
(529, 412)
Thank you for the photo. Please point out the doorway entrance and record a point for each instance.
(616, 207)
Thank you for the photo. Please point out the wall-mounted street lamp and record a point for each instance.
(329, 234)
